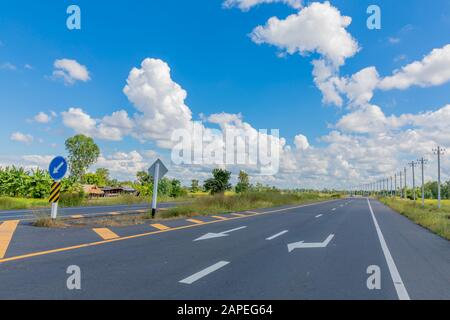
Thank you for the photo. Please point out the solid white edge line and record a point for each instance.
(277, 235)
(204, 272)
(402, 293)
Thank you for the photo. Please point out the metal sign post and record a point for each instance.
(158, 170)
(155, 190)
(57, 169)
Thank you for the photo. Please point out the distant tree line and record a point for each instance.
(83, 152)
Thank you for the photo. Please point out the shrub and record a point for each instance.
(72, 199)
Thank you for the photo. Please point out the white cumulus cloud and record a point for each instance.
(21, 137)
(42, 117)
(320, 28)
(112, 127)
(246, 5)
(432, 70)
(70, 71)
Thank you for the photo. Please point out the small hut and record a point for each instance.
(92, 191)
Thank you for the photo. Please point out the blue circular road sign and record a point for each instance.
(58, 168)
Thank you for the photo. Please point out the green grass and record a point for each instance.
(129, 200)
(8, 203)
(430, 217)
(241, 202)
(202, 205)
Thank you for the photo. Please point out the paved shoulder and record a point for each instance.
(422, 258)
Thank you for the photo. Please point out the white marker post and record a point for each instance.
(155, 190)
(158, 170)
(54, 210)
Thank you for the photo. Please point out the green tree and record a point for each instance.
(39, 184)
(176, 189)
(195, 186)
(431, 190)
(70, 185)
(244, 182)
(219, 183)
(91, 178)
(83, 152)
(144, 183)
(143, 178)
(446, 190)
(103, 176)
(164, 187)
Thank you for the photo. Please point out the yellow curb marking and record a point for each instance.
(160, 226)
(77, 216)
(219, 217)
(195, 221)
(238, 215)
(7, 229)
(105, 233)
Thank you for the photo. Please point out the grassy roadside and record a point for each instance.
(9, 203)
(430, 217)
(243, 202)
(204, 205)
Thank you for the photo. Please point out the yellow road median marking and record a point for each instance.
(105, 233)
(160, 226)
(114, 213)
(195, 221)
(77, 216)
(219, 217)
(7, 229)
(137, 236)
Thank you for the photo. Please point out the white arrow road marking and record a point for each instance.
(56, 170)
(319, 215)
(277, 235)
(218, 235)
(303, 245)
(204, 272)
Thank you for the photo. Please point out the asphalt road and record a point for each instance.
(29, 215)
(321, 251)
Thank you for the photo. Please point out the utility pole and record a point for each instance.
(439, 151)
(396, 184)
(401, 186)
(422, 162)
(392, 189)
(406, 188)
(413, 166)
(389, 190)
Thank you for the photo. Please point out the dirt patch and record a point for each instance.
(50, 223)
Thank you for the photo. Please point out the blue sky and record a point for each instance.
(211, 55)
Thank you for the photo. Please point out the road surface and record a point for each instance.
(319, 251)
